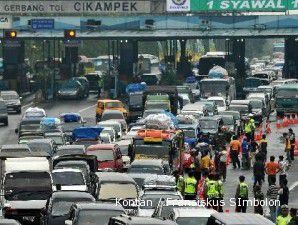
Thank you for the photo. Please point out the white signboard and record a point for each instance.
(74, 7)
(178, 5)
(5, 22)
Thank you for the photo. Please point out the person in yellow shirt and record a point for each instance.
(284, 217)
(206, 163)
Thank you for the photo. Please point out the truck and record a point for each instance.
(27, 184)
(286, 99)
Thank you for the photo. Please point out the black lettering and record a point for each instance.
(89, 6)
(77, 6)
(98, 7)
(116, 6)
(6, 8)
(24, 8)
(108, 6)
(133, 6)
(125, 7)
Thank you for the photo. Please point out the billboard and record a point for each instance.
(244, 5)
(5, 22)
(178, 5)
(70, 7)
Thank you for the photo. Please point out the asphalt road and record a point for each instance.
(86, 108)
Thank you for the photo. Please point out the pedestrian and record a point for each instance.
(212, 192)
(179, 181)
(245, 154)
(263, 146)
(272, 168)
(235, 147)
(249, 128)
(259, 196)
(284, 217)
(206, 163)
(253, 151)
(293, 215)
(190, 186)
(293, 143)
(272, 195)
(197, 166)
(259, 171)
(241, 195)
(283, 194)
(283, 168)
(223, 165)
(288, 147)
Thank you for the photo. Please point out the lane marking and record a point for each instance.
(85, 109)
(293, 186)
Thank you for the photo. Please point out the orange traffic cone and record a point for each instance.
(285, 122)
(268, 129)
(258, 135)
(278, 123)
(296, 148)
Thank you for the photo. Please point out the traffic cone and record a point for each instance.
(278, 123)
(258, 135)
(268, 129)
(285, 122)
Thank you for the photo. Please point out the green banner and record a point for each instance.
(244, 5)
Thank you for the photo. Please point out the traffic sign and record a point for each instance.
(72, 42)
(43, 24)
(12, 43)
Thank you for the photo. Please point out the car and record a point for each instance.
(148, 112)
(197, 109)
(211, 125)
(190, 215)
(153, 196)
(57, 137)
(3, 113)
(238, 219)
(9, 222)
(71, 121)
(109, 104)
(117, 186)
(220, 102)
(69, 180)
(87, 136)
(149, 166)
(116, 125)
(109, 131)
(58, 206)
(125, 146)
(211, 107)
(91, 213)
(137, 220)
(16, 148)
(105, 138)
(229, 126)
(26, 138)
(109, 156)
(71, 90)
(70, 150)
(84, 82)
(115, 115)
(93, 79)
(34, 112)
(42, 145)
(29, 126)
(12, 100)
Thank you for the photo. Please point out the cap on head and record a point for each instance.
(284, 207)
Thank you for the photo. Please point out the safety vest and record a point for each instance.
(243, 193)
(281, 220)
(247, 128)
(180, 183)
(190, 186)
(212, 189)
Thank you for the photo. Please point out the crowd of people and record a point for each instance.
(204, 179)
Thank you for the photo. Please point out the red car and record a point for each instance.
(108, 156)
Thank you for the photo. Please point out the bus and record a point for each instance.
(286, 99)
(224, 87)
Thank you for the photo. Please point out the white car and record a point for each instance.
(69, 179)
(220, 102)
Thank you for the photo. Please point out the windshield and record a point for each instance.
(61, 152)
(228, 120)
(208, 124)
(147, 113)
(153, 199)
(117, 190)
(219, 103)
(68, 178)
(101, 64)
(152, 149)
(256, 104)
(40, 147)
(157, 105)
(124, 149)
(262, 75)
(113, 105)
(150, 79)
(30, 126)
(287, 94)
(57, 139)
(10, 97)
(61, 207)
(94, 216)
(28, 186)
(70, 85)
(192, 220)
(254, 83)
(103, 154)
(182, 90)
(190, 133)
(211, 87)
(112, 116)
(145, 169)
(241, 108)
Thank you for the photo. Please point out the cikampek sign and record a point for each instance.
(74, 7)
(244, 5)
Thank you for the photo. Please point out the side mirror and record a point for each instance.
(16, 130)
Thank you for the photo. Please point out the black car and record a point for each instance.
(12, 100)
(91, 213)
(85, 83)
(71, 90)
(57, 209)
(93, 79)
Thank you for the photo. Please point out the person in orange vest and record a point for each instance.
(272, 168)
